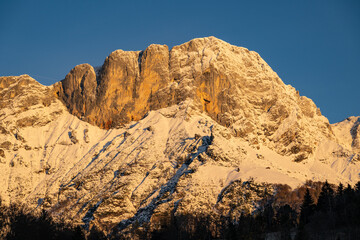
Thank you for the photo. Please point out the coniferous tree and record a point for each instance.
(326, 198)
(269, 217)
(340, 190)
(357, 187)
(339, 206)
(349, 192)
(357, 204)
(307, 208)
(286, 218)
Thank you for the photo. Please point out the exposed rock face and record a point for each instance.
(24, 104)
(348, 133)
(223, 118)
(22, 87)
(78, 90)
(124, 90)
(233, 85)
(29, 95)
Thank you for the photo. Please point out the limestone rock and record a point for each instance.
(78, 90)
(20, 97)
(231, 84)
(124, 90)
(348, 133)
(177, 156)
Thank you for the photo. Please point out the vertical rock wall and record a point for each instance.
(233, 85)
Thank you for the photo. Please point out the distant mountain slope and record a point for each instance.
(206, 117)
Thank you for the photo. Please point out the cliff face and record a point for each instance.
(212, 116)
(125, 90)
(231, 84)
(175, 159)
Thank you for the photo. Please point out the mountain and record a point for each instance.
(158, 130)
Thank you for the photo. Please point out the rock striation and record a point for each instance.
(205, 127)
(22, 96)
(233, 85)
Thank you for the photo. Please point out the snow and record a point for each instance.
(167, 157)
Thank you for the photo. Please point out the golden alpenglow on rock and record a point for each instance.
(154, 136)
(233, 85)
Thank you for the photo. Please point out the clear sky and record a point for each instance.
(312, 45)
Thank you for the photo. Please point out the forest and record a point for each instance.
(316, 210)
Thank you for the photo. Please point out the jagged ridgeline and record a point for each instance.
(158, 131)
(233, 85)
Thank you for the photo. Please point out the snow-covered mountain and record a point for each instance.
(156, 130)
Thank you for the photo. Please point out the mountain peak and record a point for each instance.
(187, 127)
(24, 79)
(139, 76)
(233, 85)
(206, 40)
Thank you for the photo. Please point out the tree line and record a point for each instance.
(315, 210)
(17, 222)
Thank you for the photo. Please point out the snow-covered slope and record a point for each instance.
(178, 157)
(233, 85)
(174, 155)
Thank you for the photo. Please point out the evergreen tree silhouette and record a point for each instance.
(286, 218)
(307, 209)
(357, 187)
(326, 198)
(340, 190)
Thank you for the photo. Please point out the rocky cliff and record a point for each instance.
(233, 85)
(183, 130)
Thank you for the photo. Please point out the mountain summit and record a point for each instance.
(164, 130)
(232, 85)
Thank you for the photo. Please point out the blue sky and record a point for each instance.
(312, 45)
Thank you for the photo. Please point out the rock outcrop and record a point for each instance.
(78, 90)
(215, 122)
(231, 84)
(30, 96)
(348, 133)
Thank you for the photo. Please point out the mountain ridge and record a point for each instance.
(184, 152)
(231, 84)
